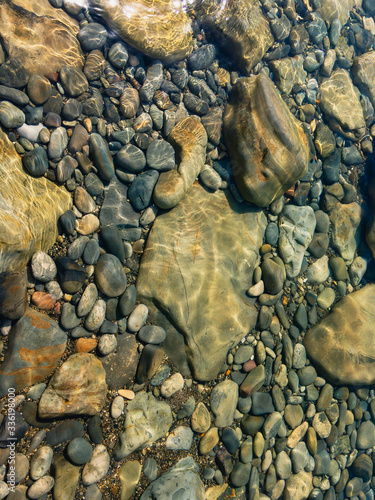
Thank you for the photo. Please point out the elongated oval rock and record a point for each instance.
(189, 139)
(268, 147)
(205, 244)
(101, 157)
(347, 335)
(161, 29)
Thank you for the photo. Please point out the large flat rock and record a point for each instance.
(364, 74)
(339, 100)
(29, 210)
(36, 344)
(158, 28)
(239, 27)
(268, 147)
(342, 345)
(196, 268)
(42, 39)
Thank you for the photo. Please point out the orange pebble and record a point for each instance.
(86, 345)
(290, 193)
(43, 300)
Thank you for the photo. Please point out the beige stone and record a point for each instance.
(194, 274)
(347, 335)
(23, 231)
(78, 387)
(158, 28)
(43, 42)
(340, 101)
(268, 147)
(298, 486)
(189, 138)
(364, 74)
(335, 9)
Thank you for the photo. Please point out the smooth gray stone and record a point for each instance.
(181, 481)
(116, 210)
(101, 156)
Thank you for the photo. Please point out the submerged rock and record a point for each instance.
(239, 27)
(342, 345)
(147, 420)
(194, 274)
(41, 37)
(339, 100)
(189, 139)
(77, 388)
(268, 147)
(36, 343)
(181, 481)
(160, 29)
(22, 199)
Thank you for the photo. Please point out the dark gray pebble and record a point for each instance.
(66, 431)
(110, 276)
(93, 184)
(13, 95)
(68, 221)
(91, 253)
(94, 429)
(160, 155)
(195, 104)
(118, 55)
(73, 80)
(127, 301)
(36, 162)
(79, 451)
(102, 157)
(202, 57)
(13, 74)
(92, 36)
(141, 189)
(151, 334)
(131, 159)
(68, 318)
(72, 109)
(112, 241)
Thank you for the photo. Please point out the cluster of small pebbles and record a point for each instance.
(110, 416)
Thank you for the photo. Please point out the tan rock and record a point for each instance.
(189, 138)
(340, 101)
(130, 473)
(345, 220)
(364, 74)
(22, 199)
(43, 300)
(297, 434)
(238, 24)
(335, 9)
(346, 333)
(78, 387)
(43, 42)
(86, 345)
(209, 441)
(268, 147)
(158, 28)
(87, 225)
(194, 274)
(298, 486)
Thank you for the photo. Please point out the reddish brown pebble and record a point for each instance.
(86, 345)
(43, 300)
(57, 308)
(249, 365)
(290, 193)
(265, 249)
(53, 77)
